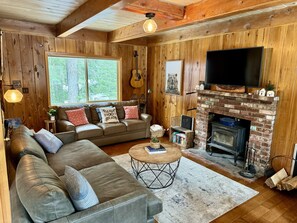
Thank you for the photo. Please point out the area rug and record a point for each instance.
(198, 194)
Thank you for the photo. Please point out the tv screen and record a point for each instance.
(237, 67)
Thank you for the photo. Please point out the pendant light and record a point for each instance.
(150, 26)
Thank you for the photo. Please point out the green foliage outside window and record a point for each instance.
(71, 78)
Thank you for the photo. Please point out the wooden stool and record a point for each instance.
(48, 123)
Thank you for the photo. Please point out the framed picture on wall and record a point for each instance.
(173, 79)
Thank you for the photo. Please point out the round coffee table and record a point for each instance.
(156, 171)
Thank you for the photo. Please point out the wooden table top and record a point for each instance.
(173, 154)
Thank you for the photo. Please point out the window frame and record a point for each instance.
(84, 56)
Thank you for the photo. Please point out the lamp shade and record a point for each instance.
(13, 96)
(150, 26)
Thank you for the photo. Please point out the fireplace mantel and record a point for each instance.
(253, 97)
(259, 110)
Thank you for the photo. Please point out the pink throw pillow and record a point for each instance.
(131, 112)
(77, 116)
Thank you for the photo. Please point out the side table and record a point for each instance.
(50, 125)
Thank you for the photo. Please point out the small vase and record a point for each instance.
(52, 118)
(155, 145)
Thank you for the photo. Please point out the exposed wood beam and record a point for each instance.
(162, 9)
(30, 28)
(272, 18)
(196, 13)
(86, 14)
(90, 35)
(37, 29)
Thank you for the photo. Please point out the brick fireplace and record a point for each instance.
(260, 111)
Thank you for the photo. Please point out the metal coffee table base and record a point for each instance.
(162, 175)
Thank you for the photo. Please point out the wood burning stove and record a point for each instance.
(228, 138)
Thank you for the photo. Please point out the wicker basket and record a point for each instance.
(157, 131)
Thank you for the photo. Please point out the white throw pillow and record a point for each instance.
(48, 141)
(109, 115)
(79, 189)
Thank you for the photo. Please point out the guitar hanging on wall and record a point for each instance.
(136, 80)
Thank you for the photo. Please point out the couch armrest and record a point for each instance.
(65, 126)
(66, 137)
(147, 119)
(125, 209)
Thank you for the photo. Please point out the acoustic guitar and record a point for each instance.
(136, 80)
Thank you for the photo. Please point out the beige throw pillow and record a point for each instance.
(109, 115)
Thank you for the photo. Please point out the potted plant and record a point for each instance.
(52, 114)
(155, 143)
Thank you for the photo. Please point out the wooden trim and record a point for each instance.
(5, 211)
(37, 29)
(162, 9)
(85, 15)
(120, 86)
(196, 13)
(28, 28)
(271, 18)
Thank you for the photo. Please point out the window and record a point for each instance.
(81, 80)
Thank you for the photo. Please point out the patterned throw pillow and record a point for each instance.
(99, 112)
(109, 115)
(48, 141)
(131, 112)
(77, 116)
(79, 189)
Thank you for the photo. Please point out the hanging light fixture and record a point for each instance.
(150, 26)
(13, 95)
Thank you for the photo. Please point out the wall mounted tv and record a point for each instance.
(235, 67)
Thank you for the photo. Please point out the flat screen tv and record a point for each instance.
(235, 67)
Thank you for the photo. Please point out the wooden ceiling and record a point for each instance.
(122, 19)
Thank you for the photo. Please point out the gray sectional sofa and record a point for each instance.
(104, 134)
(38, 187)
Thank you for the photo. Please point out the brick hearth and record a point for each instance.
(261, 111)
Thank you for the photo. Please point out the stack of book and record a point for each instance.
(179, 138)
(151, 150)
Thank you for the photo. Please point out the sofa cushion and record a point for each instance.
(113, 181)
(112, 128)
(22, 144)
(41, 191)
(79, 189)
(131, 112)
(61, 111)
(23, 130)
(134, 124)
(109, 115)
(94, 113)
(77, 116)
(99, 112)
(80, 154)
(88, 131)
(119, 107)
(20, 215)
(48, 141)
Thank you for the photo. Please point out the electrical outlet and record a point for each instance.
(25, 90)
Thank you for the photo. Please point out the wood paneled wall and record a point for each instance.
(280, 67)
(24, 59)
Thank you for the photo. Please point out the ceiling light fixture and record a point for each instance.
(150, 26)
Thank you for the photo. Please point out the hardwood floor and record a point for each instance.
(270, 205)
